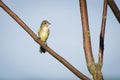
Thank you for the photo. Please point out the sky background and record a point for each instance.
(19, 53)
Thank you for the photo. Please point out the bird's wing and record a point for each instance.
(38, 32)
(48, 34)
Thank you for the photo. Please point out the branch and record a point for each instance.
(102, 34)
(86, 33)
(114, 8)
(34, 36)
(94, 68)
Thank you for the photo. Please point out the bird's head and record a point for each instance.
(45, 23)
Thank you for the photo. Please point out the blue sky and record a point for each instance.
(19, 53)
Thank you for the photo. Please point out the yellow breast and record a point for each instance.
(44, 33)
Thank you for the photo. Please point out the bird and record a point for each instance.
(43, 33)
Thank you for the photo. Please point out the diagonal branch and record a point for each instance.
(115, 9)
(34, 36)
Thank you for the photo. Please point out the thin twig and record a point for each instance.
(102, 34)
(114, 8)
(34, 36)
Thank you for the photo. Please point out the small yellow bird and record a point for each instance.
(43, 33)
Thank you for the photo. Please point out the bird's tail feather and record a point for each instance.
(42, 50)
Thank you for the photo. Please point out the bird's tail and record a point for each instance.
(42, 50)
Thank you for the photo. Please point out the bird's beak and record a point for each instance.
(49, 23)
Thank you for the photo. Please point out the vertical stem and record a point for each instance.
(102, 34)
(86, 33)
(94, 68)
